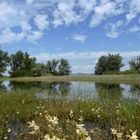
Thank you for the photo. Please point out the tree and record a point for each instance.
(58, 67)
(52, 67)
(109, 64)
(4, 61)
(64, 67)
(21, 64)
(101, 66)
(135, 64)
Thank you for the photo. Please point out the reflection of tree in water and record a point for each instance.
(135, 89)
(61, 88)
(108, 90)
(2, 87)
(58, 88)
(24, 85)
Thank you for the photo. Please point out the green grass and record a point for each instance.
(128, 79)
(20, 107)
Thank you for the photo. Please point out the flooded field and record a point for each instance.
(74, 90)
(69, 111)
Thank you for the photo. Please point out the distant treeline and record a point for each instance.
(22, 64)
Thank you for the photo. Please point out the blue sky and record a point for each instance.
(78, 30)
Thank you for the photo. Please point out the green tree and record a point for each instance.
(109, 64)
(58, 67)
(64, 67)
(21, 64)
(102, 65)
(52, 67)
(135, 64)
(4, 61)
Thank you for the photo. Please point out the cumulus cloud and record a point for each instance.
(134, 29)
(79, 37)
(102, 12)
(34, 17)
(113, 29)
(41, 21)
(7, 36)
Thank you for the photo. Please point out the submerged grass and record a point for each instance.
(24, 116)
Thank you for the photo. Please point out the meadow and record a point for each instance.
(126, 78)
(23, 115)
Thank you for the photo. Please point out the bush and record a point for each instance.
(128, 72)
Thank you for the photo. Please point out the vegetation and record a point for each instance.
(24, 116)
(58, 67)
(127, 79)
(4, 60)
(109, 64)
(21, 64)
(135, 64)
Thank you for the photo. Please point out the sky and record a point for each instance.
(78, 30)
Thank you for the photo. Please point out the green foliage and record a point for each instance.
(64, 67)
(4, 61)
(58, 67)
(21, 64)
(135, 64)
(109, 64)
(128, 72)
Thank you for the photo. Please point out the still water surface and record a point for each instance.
(74, 90)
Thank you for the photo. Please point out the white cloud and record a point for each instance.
(45, 14)
(85, 61)
(113, 29)
(7, 36)
(65, 14)
(84, 55)
(29, 1)
(130, 16)
(102, 12)
(134, 29)
(79, 37)
(34, 35)
(41, 21)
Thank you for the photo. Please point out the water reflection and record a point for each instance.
(75, 89)
(135, 89)
(109, 90)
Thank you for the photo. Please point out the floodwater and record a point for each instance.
(73, 90)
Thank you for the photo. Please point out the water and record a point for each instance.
(72, 90)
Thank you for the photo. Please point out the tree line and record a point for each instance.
(22, 64)
(112, 63)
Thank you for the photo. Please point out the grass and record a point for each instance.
(127, 79)
(24, 116)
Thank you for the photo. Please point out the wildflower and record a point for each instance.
(53, 120)
(113, 131)
(71, 114)
(80, 119)
(9, 130)
(34, 126)
(134, 136)
(47, 137)
(5, 138)
(119, 136)
(81, 132)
